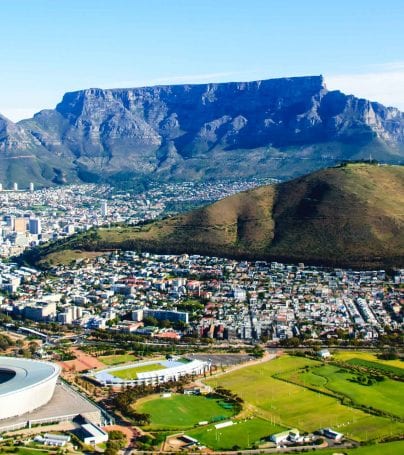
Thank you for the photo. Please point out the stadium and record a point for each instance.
(151, 372)
(25, 385)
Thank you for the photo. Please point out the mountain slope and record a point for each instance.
(278, 127)
(351, 215)
(24, 159)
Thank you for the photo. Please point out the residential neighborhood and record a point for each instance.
(174, 296)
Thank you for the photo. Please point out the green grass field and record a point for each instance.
(388, 448)
(117, 359)
(131, 373)
(385, 396)
(25, 451)
(243, 434)
(377, 366)
(292, 405)
(347, 355)
(28, 451)
(181, 411)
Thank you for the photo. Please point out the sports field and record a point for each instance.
(117, 359)
(131, 373)
(386, 395)
(244, 434)
(182, 411)
(293, 405)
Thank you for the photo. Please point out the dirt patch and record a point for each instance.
(82, 362)
(131, 433)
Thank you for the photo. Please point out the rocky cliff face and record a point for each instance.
(277, 127)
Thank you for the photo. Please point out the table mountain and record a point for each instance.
(278, 127)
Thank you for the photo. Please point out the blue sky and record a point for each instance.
(49, 47)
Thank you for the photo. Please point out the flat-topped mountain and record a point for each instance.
(351, 215)
(278, 128)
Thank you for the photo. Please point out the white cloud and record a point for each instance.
(384, 84)
(16, 114)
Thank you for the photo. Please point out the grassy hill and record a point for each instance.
(351, 215)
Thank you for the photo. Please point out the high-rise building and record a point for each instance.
(35, 226)
(104, 208)
(40, 311)
(69, 229)
(9, 220)
(15, 186)
(31, 187)
(1, 187)
(170, 315)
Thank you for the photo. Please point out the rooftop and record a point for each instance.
(27, 373)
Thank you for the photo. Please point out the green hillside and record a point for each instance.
(351, 215)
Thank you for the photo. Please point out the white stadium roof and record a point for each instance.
(27, 373)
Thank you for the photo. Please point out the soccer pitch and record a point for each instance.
(182, 411)
(243, 434)
(293, 405)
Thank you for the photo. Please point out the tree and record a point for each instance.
(165, 324)
(141, 418)
(33, 347)
(150, 320)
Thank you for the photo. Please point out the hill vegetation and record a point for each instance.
(350, 215)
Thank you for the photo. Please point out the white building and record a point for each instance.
(104, 208)
(167, 373)
(92, 434)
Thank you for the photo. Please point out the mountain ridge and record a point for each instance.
(279, 128)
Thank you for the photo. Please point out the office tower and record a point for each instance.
(104, 208)
(35, 226)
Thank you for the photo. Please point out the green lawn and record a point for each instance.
(29, 451)
(131, 373)
(24, 451)
(388, 448)
(117, 359)
(182, 411)
(295, 406)
(243, 434)
(347, 355)
(385, 396)
(398, 371)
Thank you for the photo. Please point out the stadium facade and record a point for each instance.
(170, 371)
(25, 385)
